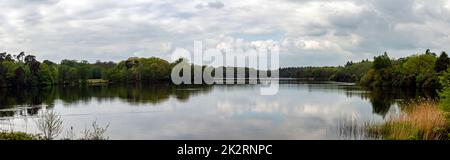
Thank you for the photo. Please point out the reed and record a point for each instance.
(419, 120)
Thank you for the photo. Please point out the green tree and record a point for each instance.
(141, 70)
(444, 80)
(83, 71)
(45, 75)
(2, 56)
(2, 75)
(19, 77)
(73, 76)
(20, 56)
(442, 63)
(96, 72)
(154, 69)
(422, 68)
(53, 68)
(382, 62)
(34, 66)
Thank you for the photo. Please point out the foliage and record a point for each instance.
(382, 62)
(351, 72)
(416, 71)
(27, 71)
(444, 80)
(442, 63)
(140, 70)
(10, 135)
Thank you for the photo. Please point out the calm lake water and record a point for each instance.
(300, 110)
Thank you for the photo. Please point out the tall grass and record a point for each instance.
(356, 129)
(419, 120)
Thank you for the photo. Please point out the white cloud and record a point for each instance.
(308, 32)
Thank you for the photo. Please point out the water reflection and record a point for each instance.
(15, 102)
(301, 109)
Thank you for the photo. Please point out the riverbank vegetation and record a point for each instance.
(420, 119)
(25, 71)
(444, 94)
(350, 72)
(416, 71)
(425, 119)
(11, 135)
(19, 71)
(50, 127)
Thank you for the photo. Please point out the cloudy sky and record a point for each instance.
(308, 32)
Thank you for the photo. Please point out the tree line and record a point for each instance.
(416, 71)
(25, 71)
(351, 72)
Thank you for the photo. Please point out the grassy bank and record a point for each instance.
(10, 135)
(96, 81)
(50, 126)
(420, 121)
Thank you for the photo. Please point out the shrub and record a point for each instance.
(444, 80)
(10, 135)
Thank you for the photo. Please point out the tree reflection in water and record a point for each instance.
(28, 102)
(25, 102)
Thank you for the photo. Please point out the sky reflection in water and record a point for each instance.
(298, 111)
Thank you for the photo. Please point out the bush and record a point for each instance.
(444, 80)
(10, 135)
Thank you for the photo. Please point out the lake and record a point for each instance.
(300, 110)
